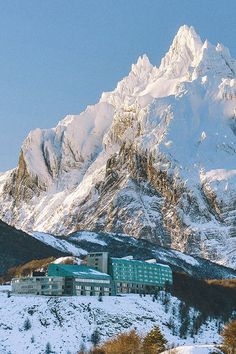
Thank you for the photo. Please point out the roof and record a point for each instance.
(74, 270)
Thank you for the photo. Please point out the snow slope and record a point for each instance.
(61, 245)
(155, 158)
(69, 321)
(193, 349)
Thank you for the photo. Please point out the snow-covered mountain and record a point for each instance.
(155, 158)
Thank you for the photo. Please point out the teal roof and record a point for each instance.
(71, 270)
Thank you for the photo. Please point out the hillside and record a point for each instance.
(118, 245)
(60, 320)
(17, 247)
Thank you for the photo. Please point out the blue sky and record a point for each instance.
(58, 56)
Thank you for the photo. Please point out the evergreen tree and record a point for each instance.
(82, 349)
(171, 326)
(154, 342)
(27, 324)
(184, 319)
(95, 338)
(48, 349)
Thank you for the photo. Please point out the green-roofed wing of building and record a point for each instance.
(82, 280)
(134, 276)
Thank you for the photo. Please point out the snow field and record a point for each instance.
(66, 322)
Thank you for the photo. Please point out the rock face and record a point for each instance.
(154, 159)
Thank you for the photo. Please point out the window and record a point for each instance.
(45, 286)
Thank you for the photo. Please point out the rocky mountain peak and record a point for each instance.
(155, 158)
(142, 65)
(183, 53)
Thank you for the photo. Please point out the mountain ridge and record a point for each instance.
(154, 158)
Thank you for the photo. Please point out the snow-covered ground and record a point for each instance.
(190, 349)
(67, 322)
(5, 288)
(61, 245)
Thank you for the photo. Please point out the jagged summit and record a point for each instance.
(184, 51)
(143, 64)
(188, 57)
(155, 158)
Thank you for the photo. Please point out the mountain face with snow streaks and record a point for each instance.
(155, 158)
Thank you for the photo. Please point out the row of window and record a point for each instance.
(39, 279)
(133, 285)
(83, 280)
(141, 267)
(96, 288)
(92, 293)
(141, 273)
(44, 286)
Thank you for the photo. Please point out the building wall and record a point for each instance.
(38, 285)
(58, 286)
(93, 288)
(98, 260)
(138, 276)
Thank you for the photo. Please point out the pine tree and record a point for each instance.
(154, 342)
(184, 319)
(48, 349)
(95, 338)
(27, 324)
(82, 349)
